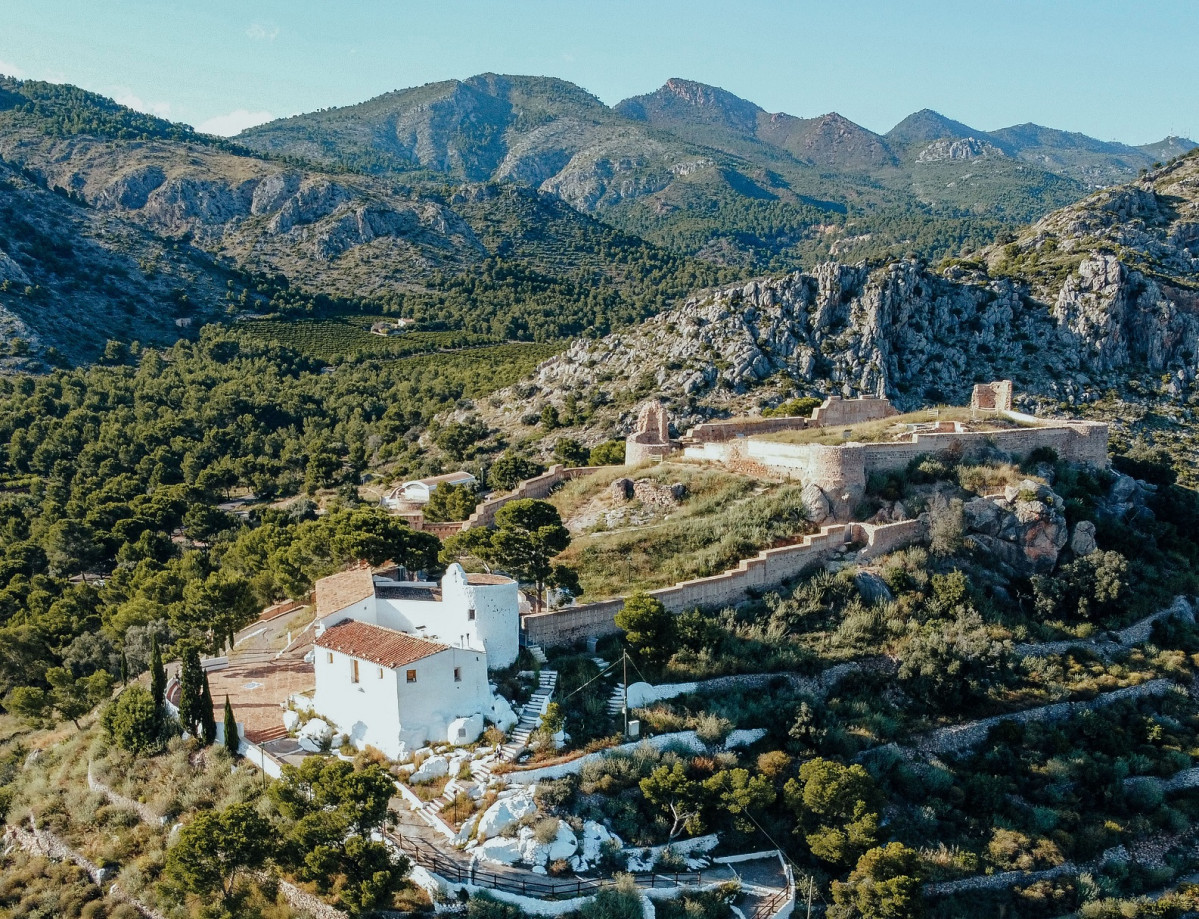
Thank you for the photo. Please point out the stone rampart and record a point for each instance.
(766, 570)
(720, 431)
(841, 470)
(539, 486)
(837, 412)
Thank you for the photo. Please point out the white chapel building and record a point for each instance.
(403, 663)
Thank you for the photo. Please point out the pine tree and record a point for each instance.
(231, 738)
(207, 715)
(158, 674)
(191, 692)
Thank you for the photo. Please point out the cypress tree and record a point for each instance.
(231, 738)
(124, 669)
(191, 692)
(207, 715)
(158, 674)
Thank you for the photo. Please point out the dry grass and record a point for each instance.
(724, 519)
(888, 428)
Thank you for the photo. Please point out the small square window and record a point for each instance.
(470, 614)
(457, 674)
(411, 675)
(461, 732)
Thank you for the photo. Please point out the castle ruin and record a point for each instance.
(841, 470)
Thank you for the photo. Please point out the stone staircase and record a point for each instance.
(453, 788)
(616, 700)
(538, 653)
(530, 717)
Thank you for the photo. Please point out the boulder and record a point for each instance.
(435, 767)
(291, 720)
(817, 503)
(500, 850)
(466, 730)
(506, 813)
(1024, 532)
(565, 844)
(596, 840)
(872, 587)
(1082, 542)
(502, 714)
(315, 736)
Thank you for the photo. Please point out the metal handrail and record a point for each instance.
(456, 872)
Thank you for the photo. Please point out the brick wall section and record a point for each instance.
(766, 570)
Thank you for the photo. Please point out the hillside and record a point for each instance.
(697, 168)
(497, 260)
(1095, 298)
(72, 277)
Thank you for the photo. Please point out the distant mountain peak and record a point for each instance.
(925, 126)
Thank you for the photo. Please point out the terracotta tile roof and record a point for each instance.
(477, 578)
(373, 643)
(343, 589)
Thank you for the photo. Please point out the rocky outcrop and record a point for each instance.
(1023, 531)
(1067, 335)
(966, 148)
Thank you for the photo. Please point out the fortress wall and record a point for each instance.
(1081, 442)
(882, 539)
(764, 571)
(537, 487)
(717, 431)
(838, 412)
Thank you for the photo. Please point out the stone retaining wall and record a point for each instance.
(960, 737)
(539, 486)
(766, 570)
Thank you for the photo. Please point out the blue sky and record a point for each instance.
(1116, 70)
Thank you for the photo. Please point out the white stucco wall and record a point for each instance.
(387, 711)
(435, 699)
(367, 710)
(495, 628)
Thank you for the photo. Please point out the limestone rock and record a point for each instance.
(1082, 542)
(316, 735)
(435, 767)
(462, 731)
(817, 503)
(872, 587)
(506, 813)
(596, 840)
(1024, 532)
